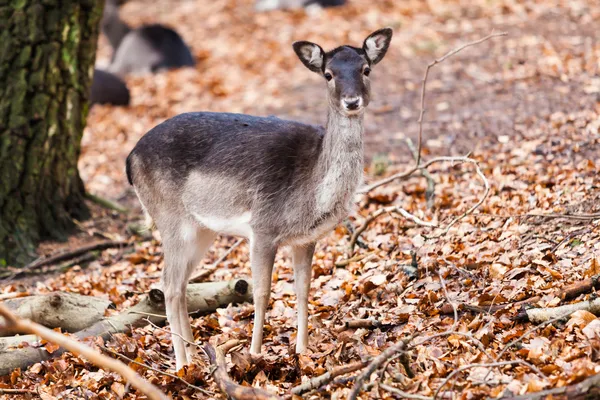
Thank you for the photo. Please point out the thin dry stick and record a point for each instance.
(158, 371)
(213, 267)
(81, 349)
(417, 166)
(426, 75)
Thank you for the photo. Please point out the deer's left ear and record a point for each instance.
(377, 43)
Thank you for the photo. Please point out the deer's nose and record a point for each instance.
(352, 104)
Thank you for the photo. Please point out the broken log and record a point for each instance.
(68, 311)
(201, 298)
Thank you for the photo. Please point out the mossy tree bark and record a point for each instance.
(47, 54)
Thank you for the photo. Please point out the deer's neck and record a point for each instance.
(340, 165)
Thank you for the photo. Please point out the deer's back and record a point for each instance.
(269, 152)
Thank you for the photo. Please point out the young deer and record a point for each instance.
(272, 181)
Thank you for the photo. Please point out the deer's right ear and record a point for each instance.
(311, 55)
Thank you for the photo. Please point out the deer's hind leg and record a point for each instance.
(184, 245)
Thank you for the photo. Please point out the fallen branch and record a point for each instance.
(540, 315)
(205, 272)
(229, 387)
(321, 380)
(358, 323)
(201, 298)
(80, 349)
(111, 205)
(68, 311)
(56, 258)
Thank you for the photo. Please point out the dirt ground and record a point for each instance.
(525, 106)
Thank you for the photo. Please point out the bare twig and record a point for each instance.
(205, 272)
(327, 377)
(41, 262)
(417, 166)
(81, 349)
(424, 83)
(430, 191)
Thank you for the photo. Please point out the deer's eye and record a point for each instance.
(367, 71)
(328, 76)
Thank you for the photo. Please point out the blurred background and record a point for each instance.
(245, 63)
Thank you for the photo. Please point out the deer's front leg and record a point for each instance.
(262, 257)
(302, 260)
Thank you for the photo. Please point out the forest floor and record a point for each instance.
(525, 106)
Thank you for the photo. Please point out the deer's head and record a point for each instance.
(346, 69)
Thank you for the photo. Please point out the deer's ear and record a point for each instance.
(377, 43)
(311, 55)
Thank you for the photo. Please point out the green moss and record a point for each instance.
(19, 4)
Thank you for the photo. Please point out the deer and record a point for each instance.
(148, 48)
(273, 181)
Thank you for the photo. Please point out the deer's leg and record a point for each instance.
(302, 261)
(262, 257)
(204, 239)
(180, 246)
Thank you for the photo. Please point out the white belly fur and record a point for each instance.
(237, 225)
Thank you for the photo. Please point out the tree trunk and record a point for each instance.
(47, 54)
